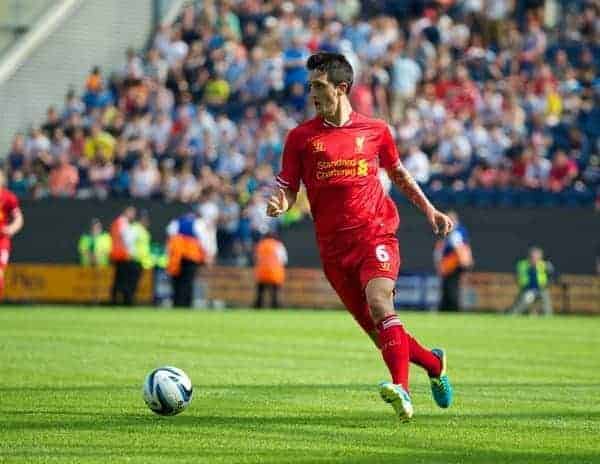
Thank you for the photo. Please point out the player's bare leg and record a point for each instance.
(393, 345)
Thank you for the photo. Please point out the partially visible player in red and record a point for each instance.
(337, 156)
(11, 222)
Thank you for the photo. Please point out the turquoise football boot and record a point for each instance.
(441, 389)
(398, 398)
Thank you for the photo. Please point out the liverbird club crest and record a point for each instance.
(359, 143)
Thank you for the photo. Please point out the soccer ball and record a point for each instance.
(167, 391)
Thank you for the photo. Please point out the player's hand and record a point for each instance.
(440, 223)
(278, 204)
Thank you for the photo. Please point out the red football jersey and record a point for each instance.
(8, 204)
(339, 167)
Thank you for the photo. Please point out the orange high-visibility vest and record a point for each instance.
(118, 251)
(180, 247)
(269, 268)
(448, 264)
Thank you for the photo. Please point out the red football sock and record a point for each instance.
(423, 357)
(394, 349)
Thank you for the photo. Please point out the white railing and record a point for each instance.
(47, 24)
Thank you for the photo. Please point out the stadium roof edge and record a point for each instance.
(174, 11)
(47, 24)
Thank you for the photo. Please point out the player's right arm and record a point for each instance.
(288, 180)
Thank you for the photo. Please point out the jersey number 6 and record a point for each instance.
(382, 254)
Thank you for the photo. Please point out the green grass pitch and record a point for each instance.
(292, 387)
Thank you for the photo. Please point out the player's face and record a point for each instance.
(324, 95)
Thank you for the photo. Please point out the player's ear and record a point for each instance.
(342, 88)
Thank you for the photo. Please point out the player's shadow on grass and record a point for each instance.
(331, 437)
(48, 419)
(298, 455)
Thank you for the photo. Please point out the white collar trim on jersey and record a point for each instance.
(330, 124)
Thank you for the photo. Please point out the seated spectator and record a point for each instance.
(63, 178)
(77, 143)
(45, 159)
(454, 152)
(417, 163)
(294, 62)
(169, 184)
(52, 122)
(483, 176)
(562, 173)
(16, 158)
(101, 173)
(217, 91)
(96, 95)
(145, 177)
(230, 162)
(93, 83)
(406, 74)
(73, 105)
(37, 142)
(361, 96)
(537, 172)
(60, 142)
(188, 189)
(19, 184)
(99, 140)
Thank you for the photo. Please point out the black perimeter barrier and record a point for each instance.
(570, 237)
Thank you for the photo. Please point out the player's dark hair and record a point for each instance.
(336, 66)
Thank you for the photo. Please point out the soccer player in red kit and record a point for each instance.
(337, 156)
(11, 222)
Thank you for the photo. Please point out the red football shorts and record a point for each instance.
(350, 264)
(5, 247)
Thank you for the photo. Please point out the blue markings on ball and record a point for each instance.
(166, 407)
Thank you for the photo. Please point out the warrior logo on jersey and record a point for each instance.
(359, 143)
(318, 145)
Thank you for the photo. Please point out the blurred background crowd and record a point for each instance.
(491, 102)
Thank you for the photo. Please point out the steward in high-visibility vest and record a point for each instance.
(141, 245)
(270, 258)
(452, 257)
(188, 247)
(141, 258)
(534, 275)
(95, 247)
(531, 275)
(121, 255)
(119, 230)
(183, 243)
(159, 255)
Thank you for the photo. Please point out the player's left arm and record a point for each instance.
(440, 223)
(401, 178)
(16, 224)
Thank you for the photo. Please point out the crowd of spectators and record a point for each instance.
(489, 101)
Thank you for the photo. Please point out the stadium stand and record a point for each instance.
(491, 104)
